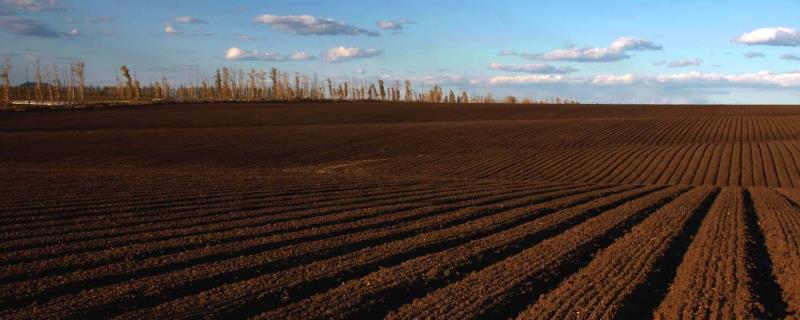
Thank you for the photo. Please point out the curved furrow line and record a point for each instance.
(188, 265)
(623, 280)
(382, 291)
(505, 288)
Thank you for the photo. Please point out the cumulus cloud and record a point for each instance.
(72, 33)
(238, 54)
(31, 5)
(300, 56)
(789, 56)
(188, 20)
(532, 68)
(694, 78)
(26, 27)
(393, 24)
(341, 54)
(618, 50)
(632, 44)
(684, 63)
(775, 36)
(310, 25)
(788, 79)
(754, 54)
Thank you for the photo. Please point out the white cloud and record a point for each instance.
(618, 50)
(632, 44)
(684, 63)
(73, 33)
(239, 54)
(585, 55)
(389, 25)
(188, 20)
(310, 25)
(532, 68)
(341, 54)
(32, 5)
(393, 24)
(754, 54)
(775, 36)
(169, 28)
(300, 56)
(613, 79)
(360, 71)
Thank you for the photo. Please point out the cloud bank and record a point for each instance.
(532, 68)
(616, 51)
(694, 78)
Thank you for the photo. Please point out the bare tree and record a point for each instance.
(409, 92)
(128, 82)
(510, 100)
(37, 92)
(137, 88)
(252, 75)
(226, 77)
(488, 98)
(5, 74)
(273, 76)
(49, 78)
(56, 80)
(156, 90)
(165, 90)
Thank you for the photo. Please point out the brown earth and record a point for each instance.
(357, 211)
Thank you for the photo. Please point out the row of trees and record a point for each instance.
(53, 87)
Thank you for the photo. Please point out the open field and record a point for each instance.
(402, 211)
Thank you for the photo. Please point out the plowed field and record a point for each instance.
(409, 211)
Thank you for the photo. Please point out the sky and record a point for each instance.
(730, 52)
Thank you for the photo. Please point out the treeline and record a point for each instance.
(67, 86)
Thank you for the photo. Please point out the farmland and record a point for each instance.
(400, 211)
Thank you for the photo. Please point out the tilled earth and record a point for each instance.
(401, 211)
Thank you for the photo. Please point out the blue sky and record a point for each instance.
(593, 51)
